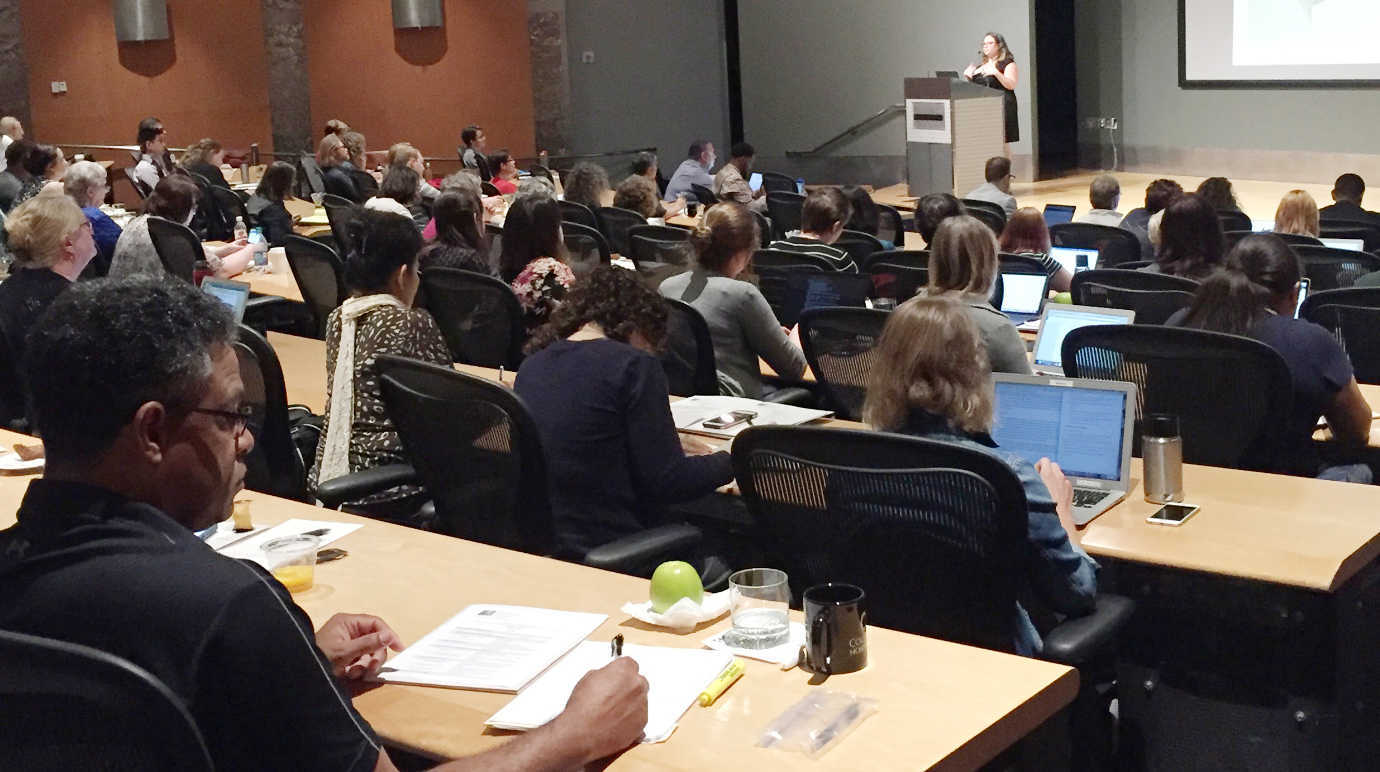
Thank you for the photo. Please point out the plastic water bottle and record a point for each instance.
(241, 232)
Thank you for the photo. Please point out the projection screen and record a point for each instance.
(1254, 43)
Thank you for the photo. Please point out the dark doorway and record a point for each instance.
(1057, 113)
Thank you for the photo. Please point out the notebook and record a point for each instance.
(1074, 259)
(1355, 245)
(1056, 322)
(1084, 426)
(1023, 294)
(691, 413)
(234, 294)
(675, 678)
(1058, 214)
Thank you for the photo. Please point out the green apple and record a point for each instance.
(1063, 297)
(673, 580)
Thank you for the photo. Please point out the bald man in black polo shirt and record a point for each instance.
(136, 390)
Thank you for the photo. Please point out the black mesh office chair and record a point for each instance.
(898, 282)
(688, 357)
(1231, 394)
(840, 345)
(703, 195)
(859, 246)
(774, 282)
(1234, 220)
(890, 226)
(487, 188)
(579, 214)
(1114, 245)
(775, 182)
(918, 258)
(991, 215)
(320, 276)
(657, 248)
(1009, 263)
(479, 316)
(784, 210)
(585, 248)
(781, 258)
(275, 465)
(65, 706)
(1153, 296)
(338, 213)
(1329, 269)
(1340, 229)
(763, 227)
(140, 189)
(178, 248)
(614, 224)
(311, 174)
(209, 220)
(230, 205)
(1353, 316)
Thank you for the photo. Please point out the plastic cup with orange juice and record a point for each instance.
(292, 560)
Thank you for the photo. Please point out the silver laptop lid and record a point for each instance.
(1083, 425)
(234, 294)
(1059, 318)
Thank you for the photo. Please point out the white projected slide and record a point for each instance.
(1280, 40)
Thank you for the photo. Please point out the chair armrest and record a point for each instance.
(357, 485)
(261, 302)
(639, 554)
(1080, 639)
(791, 395)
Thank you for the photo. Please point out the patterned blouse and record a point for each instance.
(374, 442)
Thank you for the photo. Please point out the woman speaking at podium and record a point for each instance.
(996, 69)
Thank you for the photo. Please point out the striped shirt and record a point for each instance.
(804, 245)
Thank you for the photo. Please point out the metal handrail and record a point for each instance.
(850, 131)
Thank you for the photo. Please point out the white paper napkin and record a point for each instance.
(684, 615)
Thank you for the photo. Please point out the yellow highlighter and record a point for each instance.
(720, 684)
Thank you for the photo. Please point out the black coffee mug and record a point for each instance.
(692, 208)
(835, 628)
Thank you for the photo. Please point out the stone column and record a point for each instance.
(14, 69)
(550, 74)
(289, 89)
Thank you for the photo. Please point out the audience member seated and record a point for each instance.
(473, 145)
(963, 266)
(1027, 235)
(932, 209)
(1105, 194)
(599, 397)
(587, 184)
(11, 130)
(731, 183)
(357, 167)
(1158, 194)
(694, 170)
(398, 194)
(15, 176)
(266, 205)
(645, 165)
(45, 164)
(205, 158)
(174, 198)
(404, 154)
(866, 218)
(50, 240)
(460, 241)
(1217, 191)
(1191, 242)
(331, 156)
(506, 173)
(467, 180)
(997, 188)
(741, 323)
(155, 160)
(377, 318)
(1347, 193)
(930, 381)
(1255, 296)
(822, 218)
(532, 259)
(1297, 214)
(87, 185)
(638, 194)
(145, 449)
(335, 126)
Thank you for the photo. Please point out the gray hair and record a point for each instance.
(1104, 192)
(82, 177)
(8, 124)
(461, 181)
(535, 182)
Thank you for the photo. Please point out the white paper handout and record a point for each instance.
(252, 547)
(691, 413)
(675, 678)
(491, 648)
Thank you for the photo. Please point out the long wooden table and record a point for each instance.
(942, 705)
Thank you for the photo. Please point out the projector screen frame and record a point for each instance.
(1185, 83)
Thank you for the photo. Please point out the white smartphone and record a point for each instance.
(1173, 514)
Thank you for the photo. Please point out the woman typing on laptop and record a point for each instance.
(931, 379)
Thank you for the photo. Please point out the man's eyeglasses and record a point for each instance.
(237, 420)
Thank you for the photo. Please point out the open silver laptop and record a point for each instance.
(1056, 322)
(1084, 426)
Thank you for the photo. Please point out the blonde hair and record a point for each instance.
(1297, 213)
(325, 150)
(38, 228)
(727, 229)
(402, 152)
(200, 151)
(931, 357)
(963, 257)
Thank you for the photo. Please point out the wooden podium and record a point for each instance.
(952, 128)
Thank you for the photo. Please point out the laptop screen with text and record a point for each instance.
(1078, 428)
(1058, 322)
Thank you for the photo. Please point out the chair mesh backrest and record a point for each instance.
(1114, 246)
(932, 532)
(477, 451)
(775, 182)
(211, 220)
(311, 172)
(1234, 220)
(66, 706)
(274, 465)
(177, 247)
(859, 246)
(995, 221)
(898, 282)
(1353, 316)
(890, 227)
(784, 210)
(976, 205)
(338, 213)
(231, 205)
(916, 258)
(139, 187)
(320, 277)
(763, 227)
(585, 248)
(688, 357)
(1232, 394)
(1153, 296)
(781, 258)
(572, 211)
(1348, 229)
(841, 346)
(703, 195)
(774, 282)
(614, 224)
(1329, 269)
(654, 246)
(479, 316)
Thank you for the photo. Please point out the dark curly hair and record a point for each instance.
(613, 298)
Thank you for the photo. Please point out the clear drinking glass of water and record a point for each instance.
(759, 600)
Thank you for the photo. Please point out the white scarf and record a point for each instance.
(335, 461)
